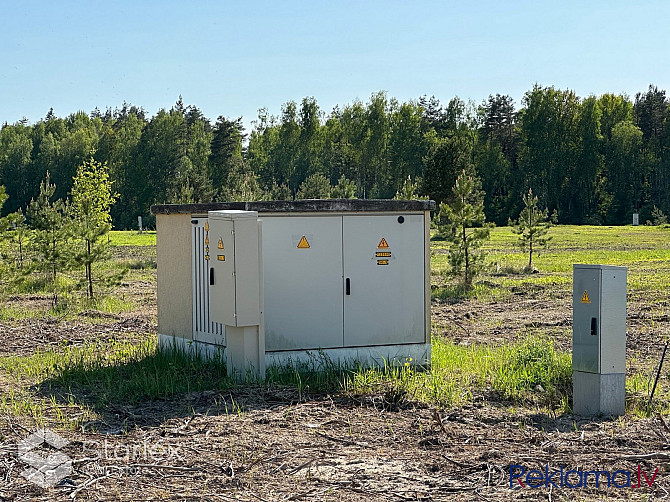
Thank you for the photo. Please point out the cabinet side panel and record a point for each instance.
(613, 315)
(174, 275)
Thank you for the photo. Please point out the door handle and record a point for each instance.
(348, 287)
(211, 276)
(594, 326)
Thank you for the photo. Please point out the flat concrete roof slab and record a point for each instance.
(301, 206)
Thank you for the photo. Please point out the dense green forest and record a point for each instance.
(589, 160)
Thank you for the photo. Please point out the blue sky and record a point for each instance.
(232, 58)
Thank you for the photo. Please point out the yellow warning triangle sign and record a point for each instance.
(207, 226)
(383, 244)
(220, 245)
(585, 297)
(303, 244)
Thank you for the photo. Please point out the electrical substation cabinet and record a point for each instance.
(317, 282)
(236, 293)
(344, 281)
(599, 339)
(234, 276)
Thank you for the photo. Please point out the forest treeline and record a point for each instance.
(589, 160)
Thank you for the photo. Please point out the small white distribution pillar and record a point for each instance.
(236, 289)
(599, 340)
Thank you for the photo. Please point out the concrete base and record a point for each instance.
(417, 354)
(598, 394)
(245, 353)
(348, 357)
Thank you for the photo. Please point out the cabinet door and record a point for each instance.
(586, 320)
(302, 274)
(384, 267)
(222, 285)
(247, 272)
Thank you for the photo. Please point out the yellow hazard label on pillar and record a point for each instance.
(220, 245)
(303, 244)
(383, 244)
(207, 239)
(585, 298)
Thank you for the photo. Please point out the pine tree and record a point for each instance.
(225, 150)
(466, 228)
(532, 227)
(92, 198)
(50, 220)
(3, 198)
(16, 223)
(658, 217)
(242, 184)
(408, 191)
(315, 186)
(278, 192)
(345, 189)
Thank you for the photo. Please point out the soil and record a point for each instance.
(273, 444)
(23, 337)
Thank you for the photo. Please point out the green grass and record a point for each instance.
(10, 313)
(127, 373)
(644, 250)
(567, 237)
(109, 304)
(69, 306)
(50, 386)
(102, 374)
(459, 373)
(132, 238)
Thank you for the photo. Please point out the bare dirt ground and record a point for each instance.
(267, 444)
(22, 337)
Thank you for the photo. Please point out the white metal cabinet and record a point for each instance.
(599, 340)
(234, 267)
(599, 318)
(384, 279)
(302, 258)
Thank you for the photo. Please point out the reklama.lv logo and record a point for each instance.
(577, 478)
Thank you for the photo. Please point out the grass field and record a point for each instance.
(644, 250)
(501, 353)
(457, 372)
(132, 238)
